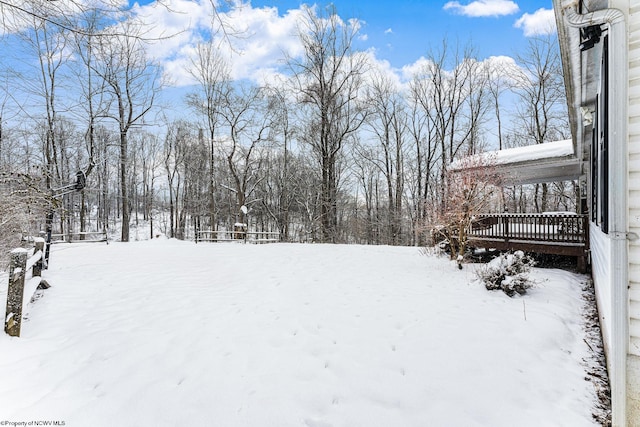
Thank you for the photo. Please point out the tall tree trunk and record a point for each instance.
(123, 187)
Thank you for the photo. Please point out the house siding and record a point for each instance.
(634, 177)
(600, 247)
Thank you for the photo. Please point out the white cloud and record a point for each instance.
(18, 15)
(357, 24)
(499, 68)
(541, 22)
(388, 31)
(410, 70)
(381, 67)
(175, 24)
(503, 68)
(258, 38)
(258, 53)
(266, 39)
(481, 8)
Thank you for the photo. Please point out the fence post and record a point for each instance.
(49, 229)
(37, 267)
(15, 293)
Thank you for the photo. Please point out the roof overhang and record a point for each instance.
(548, 162)
(541, 170)
(580, 75)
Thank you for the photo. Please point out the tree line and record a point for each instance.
(337, 149)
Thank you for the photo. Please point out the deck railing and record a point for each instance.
(546, 227)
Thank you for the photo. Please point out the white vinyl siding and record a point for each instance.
(600, 246)
(634, 176)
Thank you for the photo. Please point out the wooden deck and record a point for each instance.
(554, 233)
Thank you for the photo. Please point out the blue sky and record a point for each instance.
(402, 30)
(395, 33)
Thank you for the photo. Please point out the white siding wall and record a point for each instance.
(633, 361)
(600, 246)
(634, 175)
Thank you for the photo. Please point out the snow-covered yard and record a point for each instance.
(170, 333)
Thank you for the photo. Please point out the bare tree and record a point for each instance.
(451, 93)
(388, 121)
(132, 83)
(49, 46)
(23, 198)
(477, 105)
(499, 82)
(367, 173)
(146, 154)
(174, 152)
(63, 16)
(195, 194)
(472, 189)
(279, 185)
(92, 90)
(328, 79)
(249, 123)
(542, 115)
(211, 71)
(424, 164)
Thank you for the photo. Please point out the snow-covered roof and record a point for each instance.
(535, 152)
(548, 162)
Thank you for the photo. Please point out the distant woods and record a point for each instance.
(337, 149)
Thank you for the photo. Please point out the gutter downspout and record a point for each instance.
(618, 106)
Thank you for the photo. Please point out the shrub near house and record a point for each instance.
(509, 272)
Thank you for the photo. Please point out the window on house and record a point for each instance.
(600, 148)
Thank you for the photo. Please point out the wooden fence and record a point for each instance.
(238, 236)
(80, 237)
(25, 278)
